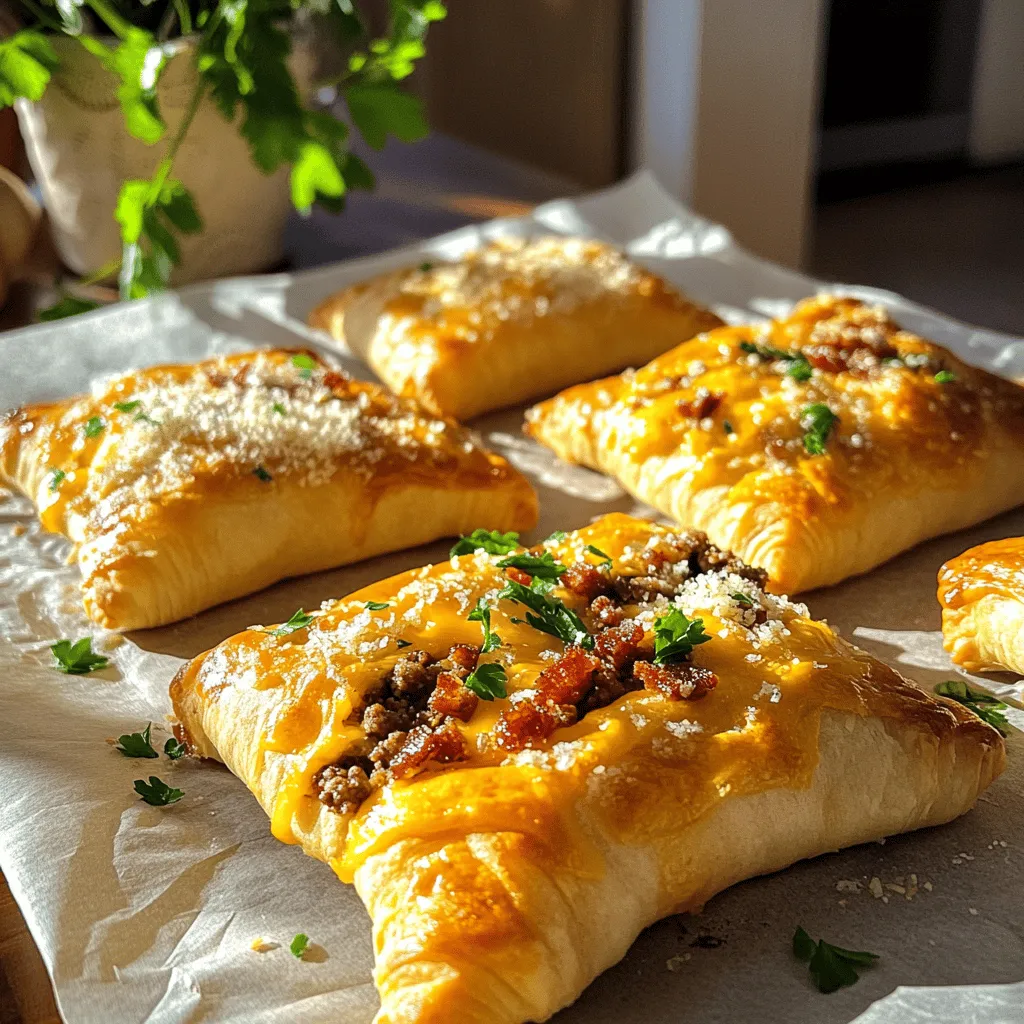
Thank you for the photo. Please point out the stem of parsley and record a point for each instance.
(44, 18)
(110, 18)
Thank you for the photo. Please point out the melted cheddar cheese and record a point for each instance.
(661, 762)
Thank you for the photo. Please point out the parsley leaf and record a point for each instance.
(402, 643)
(77, 659)
(260, 472)
(727, 427)
(743, 600)
(558, 535)
(376, 606)
(67, 306)
(818, 420)
(424, 267)
(156, 792)
(988, 708)
(831, 967)
(56, 479)
(127, 406)
(799, 369)
(551, 615)
(278, 408)
(605, 559)
(675, 636)
(492, 541)
(487, 681)
(299, 945)
(27, 59)
(299, 620)
(94, 426)
(137, 744)
(543, 566)
(305, 364)
(945, 377)
(482, 614)
(382, 109)
(175, 748)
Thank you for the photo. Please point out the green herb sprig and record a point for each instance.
(675, 636)
(548, 614)
(988, 708)
(542, 566)
(299, 620)
(482, 614)
(492, 541)
(240, 50)
(299, 945)
(156, 792)
(137, 744)
(376, 606)
(818, 420)
(77, 659)
(488, 681)
(605, 560)
(831, 967)
(175, 749)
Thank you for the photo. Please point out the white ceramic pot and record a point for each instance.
(81, 153)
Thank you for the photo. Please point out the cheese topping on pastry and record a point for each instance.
(513, 320)
(803, 444)
(275, 443)
(982, 598)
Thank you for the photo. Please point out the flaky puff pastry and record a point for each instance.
(982, 598)
(185, 486)
(735, 433)
(510, 322)
(501, 882)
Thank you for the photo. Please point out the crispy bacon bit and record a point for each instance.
(527, 723)
(566, 680)
(518, 576)
(464, 656)
(606, 611)
(333, 380)
(712, 559)
(585, 581)
(703, 404)
(676, 682)
(450, 697)
(618, 645)
(827, 358)
(423, 745)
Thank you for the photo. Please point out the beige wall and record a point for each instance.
(997, 116)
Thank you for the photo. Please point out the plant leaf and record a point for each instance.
(27, 59)
(65, 307)
(381, 109)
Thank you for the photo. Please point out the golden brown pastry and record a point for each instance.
(184, 486)
(815, 447)
(523, 759)
(510, 322)
(982, 598)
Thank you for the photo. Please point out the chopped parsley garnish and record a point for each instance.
(727, 427)
(156, 792)
(56, 479)
(77, 659)
(426, 266)
(558, 535)
(261, 473)
(550, 614)
(543, 566)
(799, 369)
(817, 420)
(675, 636)
(299, 620)
(141, 417)
(945, 377)
(831, 967)
(487, 681)
(175, 748)
(299, 945)
(605, 559)
(482, 614)
(402, 643)
(988, 708)
(94, 426)
(279, 408)
(127, 406)
(305, 364)
(136, 744)
(743, 600)
(376, 606)
(492, 541)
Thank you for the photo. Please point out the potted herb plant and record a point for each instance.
(172, 136)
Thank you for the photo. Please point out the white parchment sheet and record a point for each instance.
(147, 914)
